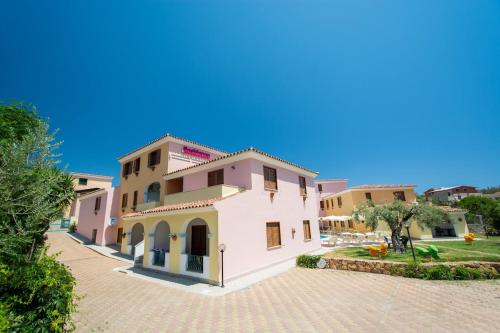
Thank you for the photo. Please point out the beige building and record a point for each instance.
(338, 211)
(84, 183)
(141, 183)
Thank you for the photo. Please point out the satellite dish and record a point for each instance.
(321, 263)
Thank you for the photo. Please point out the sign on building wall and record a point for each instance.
(195, 152)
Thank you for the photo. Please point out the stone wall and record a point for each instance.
(385, 267)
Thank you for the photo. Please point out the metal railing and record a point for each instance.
(158, 257)
(195, 263)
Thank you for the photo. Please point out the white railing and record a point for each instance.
(139, 250)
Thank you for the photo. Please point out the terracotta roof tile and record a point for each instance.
(451, 209)
(382, 186)
(174, 207)
(171, 136)
(241, 152)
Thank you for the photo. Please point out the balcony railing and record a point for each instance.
(147, 205)
(217, 191)
(159, 257)
(195, 263)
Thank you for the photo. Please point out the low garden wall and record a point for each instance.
(390, 268)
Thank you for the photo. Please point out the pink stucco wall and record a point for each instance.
(89, 220)
(237, 174)
(242, 221)
(177, 160)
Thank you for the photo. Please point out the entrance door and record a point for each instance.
(94, 235)
(199, 240)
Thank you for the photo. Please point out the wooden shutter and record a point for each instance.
(124, 200)
(97, 204)
(216, 177)
(302, 184)
(273, 234)
(322, 204)
(158, 156)
(137, 165)
(339, 202)
(270, 179)
(307, 230)
(135, 199)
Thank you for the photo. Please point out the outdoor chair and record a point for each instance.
(404, 241)
(388, 242)
(469, 238)
(378, 250)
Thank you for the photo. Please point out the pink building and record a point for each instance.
(97, 216)
(263, 209)
(325, 188)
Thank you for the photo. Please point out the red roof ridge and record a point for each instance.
(173, 137)
(173, 207)
(383, 186)
(238, 153)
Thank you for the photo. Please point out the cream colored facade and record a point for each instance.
(383, 194)
(171, 158)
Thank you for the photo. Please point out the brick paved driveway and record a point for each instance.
(300, 300)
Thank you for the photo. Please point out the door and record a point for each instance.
(199, 240)
(94, 235)
(119, 236)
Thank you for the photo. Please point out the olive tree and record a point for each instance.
(396, 214)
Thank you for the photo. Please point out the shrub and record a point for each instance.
(72, 227)
(36, 295)
(438, 272)
(412, 270)
(308, 261)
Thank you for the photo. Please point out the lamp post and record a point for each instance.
(222, 248)
(407, 226)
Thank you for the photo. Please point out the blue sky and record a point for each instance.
(372, 91)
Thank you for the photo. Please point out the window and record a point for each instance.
(350, 223)
(124, 200)
(216, 177)
(400, 195)
(331, 202)
(97, 204)
(320, 187)
(134, 202)
(127, 169)
(368, 196)
(174, 185)
(327, 204)
(154, 158)
(82, 181)
(137, 165)
(339, 202)
(307, 230)
(270, 179)
(322, 205)
(273, 234)
(302, 185)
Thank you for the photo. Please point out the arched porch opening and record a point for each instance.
(161, 244)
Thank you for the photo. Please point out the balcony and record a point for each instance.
(147, 205)
(217, 191)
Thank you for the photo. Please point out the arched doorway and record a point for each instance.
(197, 242)
(137, 235)
(152, 192)
(161, 244)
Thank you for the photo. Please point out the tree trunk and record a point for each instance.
(396, 239)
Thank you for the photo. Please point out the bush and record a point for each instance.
(438, 272)
(412, 270)
(308, 261)
(36, 295)
(72, 227)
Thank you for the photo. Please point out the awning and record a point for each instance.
(336, 218)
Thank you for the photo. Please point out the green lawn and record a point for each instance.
(481, 250)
